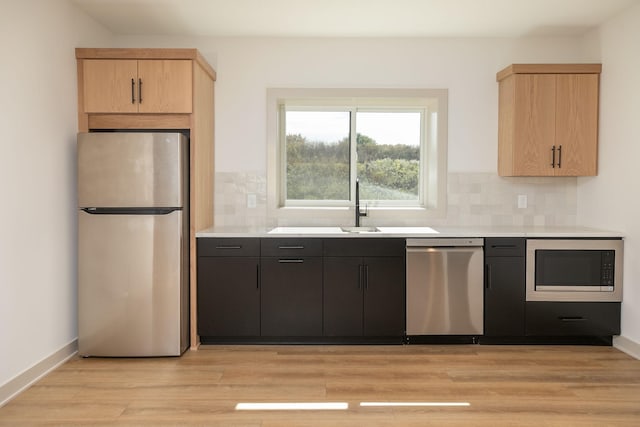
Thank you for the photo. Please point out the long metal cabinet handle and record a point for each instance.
(133, 91)
(257, 276)
(140, 91)
(290, 247)
(291, 261)
(360, 276)
(229, 247)
(488, 276)
(560, 156)
(366, 276)
(553, 156)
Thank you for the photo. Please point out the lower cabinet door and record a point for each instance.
(228, 296)
(364, 296)
(504, 296)
(343, 285)
(384, 296)
(291, 295)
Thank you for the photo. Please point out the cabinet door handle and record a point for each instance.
(290, 247)
(257, 276)
(290, 261)
(553, 156)
(560, 156)
(140, 91)
(229, 247)
(366, 277)
(133, 91)
(504, 246)
(488, 276)
(360, 276)
(572, 318)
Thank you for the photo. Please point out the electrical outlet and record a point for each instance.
(251, 201)
(522, 201)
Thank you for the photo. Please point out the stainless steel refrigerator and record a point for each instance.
(133, 244)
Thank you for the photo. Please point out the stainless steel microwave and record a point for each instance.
(574, 270)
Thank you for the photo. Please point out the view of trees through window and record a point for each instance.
(318, 155)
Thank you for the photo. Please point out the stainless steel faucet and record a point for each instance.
(359, 213)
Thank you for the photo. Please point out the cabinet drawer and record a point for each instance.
(504, 246)
(291, 247)
(223, 246)
(572, 318)
(364, 246)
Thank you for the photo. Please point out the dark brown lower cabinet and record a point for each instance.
(384, 297)
(228, 296)
(504, 287)
(573, 318)
(364, 296)
(504, 296)
(291, 297)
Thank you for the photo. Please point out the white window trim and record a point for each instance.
(436, 160)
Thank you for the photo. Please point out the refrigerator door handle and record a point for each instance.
(130, 211)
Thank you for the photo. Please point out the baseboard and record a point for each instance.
(20, 383)
(627, 345)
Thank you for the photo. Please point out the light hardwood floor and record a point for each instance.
(504, 385)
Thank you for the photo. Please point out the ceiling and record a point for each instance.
(353, 18)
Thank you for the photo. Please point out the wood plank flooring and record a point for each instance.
(503, 385)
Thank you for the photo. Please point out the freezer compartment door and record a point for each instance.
(132, 285)
(445, 293)
(121, 169)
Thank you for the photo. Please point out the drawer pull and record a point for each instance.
(504, 246)
(572, 318)
(229, 247)
(291, 261)
(290, 247)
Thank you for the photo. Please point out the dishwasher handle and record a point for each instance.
(444, 249)
(444, 242)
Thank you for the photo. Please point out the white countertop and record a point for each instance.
(411, 231)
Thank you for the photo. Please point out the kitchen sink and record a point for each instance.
(360, 229)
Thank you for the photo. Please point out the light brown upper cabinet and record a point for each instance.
(548, 119)
(137, 86)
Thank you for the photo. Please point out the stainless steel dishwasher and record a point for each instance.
(445, 287)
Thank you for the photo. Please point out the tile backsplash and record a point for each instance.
(474, 199)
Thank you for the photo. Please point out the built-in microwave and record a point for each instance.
(574, 270)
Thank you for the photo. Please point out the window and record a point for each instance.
(392, 141)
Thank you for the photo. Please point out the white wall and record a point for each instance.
(612, 199)
(38, 118)
(246, 67)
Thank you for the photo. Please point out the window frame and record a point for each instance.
(433, 149)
